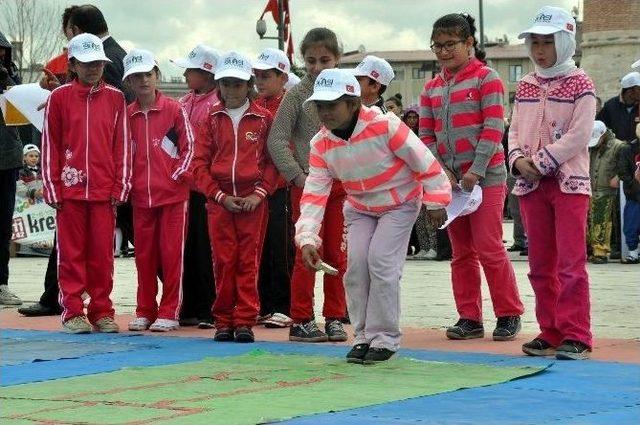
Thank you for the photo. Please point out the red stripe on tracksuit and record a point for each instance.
(86, 164)
(164, 147)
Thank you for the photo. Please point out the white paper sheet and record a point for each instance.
(462, 203)
(26, 98)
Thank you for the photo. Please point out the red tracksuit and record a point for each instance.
(86, 162)
(236, 163)
(163, 147)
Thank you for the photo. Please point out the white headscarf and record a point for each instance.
(565, 44)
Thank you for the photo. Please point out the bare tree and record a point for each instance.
(34, 27)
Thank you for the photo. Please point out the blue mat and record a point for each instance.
(584, 392)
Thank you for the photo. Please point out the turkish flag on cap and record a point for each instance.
(375, 74)
(349, 88)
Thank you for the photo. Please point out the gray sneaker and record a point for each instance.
(7, 297)
(107, 325)
(77, 325)
(334, 330)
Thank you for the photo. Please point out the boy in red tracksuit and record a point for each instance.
(233, 169)
(86, 163)
(271, 70)
(163, 138)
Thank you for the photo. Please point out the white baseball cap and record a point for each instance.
(292, 81)
(599, 128)
(30, 148)
(333, 83)
(85, 48)
(138, 60)
(201, 57)
(636, 64)
(550, 20)
(234, 64)
(271, 58)
(632, 79)
(375, 68)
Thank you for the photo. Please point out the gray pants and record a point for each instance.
(513, 203)
(376, 244)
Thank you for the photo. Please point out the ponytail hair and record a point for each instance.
(397, 99)
(461, 24)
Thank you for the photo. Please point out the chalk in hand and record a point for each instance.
(322, 266)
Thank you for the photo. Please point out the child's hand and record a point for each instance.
(300, 180)
(451, 177)
(251, 202)
(49, 81)
(233, 203)
(437, 217)
(469, 180)
(55, 205)
(527, 169)
(310, 257)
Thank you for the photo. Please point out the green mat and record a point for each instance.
(253, 388)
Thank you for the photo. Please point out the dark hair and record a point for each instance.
(88, 18)
(461, 24)
(397, 99)
(66, 16)
(324, 37)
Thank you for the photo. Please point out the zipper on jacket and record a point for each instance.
(146, 131)
(86, 148)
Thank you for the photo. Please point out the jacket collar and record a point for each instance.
(159, 103)
(471, 67)
(536, 80)
(254, 109)
(83, 90)
(365, 116)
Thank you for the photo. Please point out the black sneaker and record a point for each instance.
(598, 259)
(244, 334)
(515, 248)
(466, 329)
(538, 347)
(223, 335)
(572, 350)
(524, 252)
(205, 323)
(335, 330)
(357, 353)
(37, 309)
(307, 332)
(376, 355)
(507, 328)
(189, 321)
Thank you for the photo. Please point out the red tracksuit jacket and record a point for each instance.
(86, 151)
(229, 163)
(162, 140)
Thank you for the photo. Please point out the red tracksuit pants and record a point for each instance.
(85, 258)
(236, 245)
(476, 242)
(159, 234)
(556, 225)
(333, 252)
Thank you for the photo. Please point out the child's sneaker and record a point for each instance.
(206, 323)
(572, 350)
(106, 325)
(376, 355)
(7, 297)
(357, 353)
(507, 328)
(633, 257)
(307, 332)
(244, 334)
(334, 330)
(278, 320)
(139, 324)
(466, 329)
(538, 347)
(164, 325)
(262, 319)
(77, 325)
(223, 335)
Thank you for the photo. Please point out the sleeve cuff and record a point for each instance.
(261, 192)
(308, 238)
(545, 163)
(219, 197)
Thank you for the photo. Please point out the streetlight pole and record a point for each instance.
(261, 27)
(481, 17)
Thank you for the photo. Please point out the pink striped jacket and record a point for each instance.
(382, 165)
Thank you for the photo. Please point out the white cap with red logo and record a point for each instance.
(271, 58)
(138, 60)
(234, 65)
(375, 68)
(550, 20)
(334, 83)
(201, 57)
(86, 48)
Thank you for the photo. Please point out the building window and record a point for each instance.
(399, 74)
(418, 73)
(515, 73)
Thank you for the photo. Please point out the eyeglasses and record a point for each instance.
(449, 46)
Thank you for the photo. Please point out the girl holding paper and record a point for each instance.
(461, 121)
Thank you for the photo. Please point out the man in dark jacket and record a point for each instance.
(628, 160)
(10, 163)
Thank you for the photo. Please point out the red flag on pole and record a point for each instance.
(272, 7)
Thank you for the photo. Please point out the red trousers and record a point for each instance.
(236, 246)
(159, 234)
(85, 258)
(333, 252)
(556, 225)
(476, 241)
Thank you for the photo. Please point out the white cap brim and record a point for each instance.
(264, 66)
(593, 142)
(184, 63)
(138, 68)
(92, 57)
(233, 73)
(540, 29)
(324, 96)
(636, 64)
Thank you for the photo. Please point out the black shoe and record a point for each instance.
(307, 332)
(598, 259)
(346, 320)
(376, 355)
(524, 252)
(334, 330)
(37, 309)
(357, 353)
(244, 334)
(515, 248)
(616, 255)
(538, 347)
(466, 329)
(507, 328)
(223, 335)
(189, 321)
(205, 323)
(572, 350)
